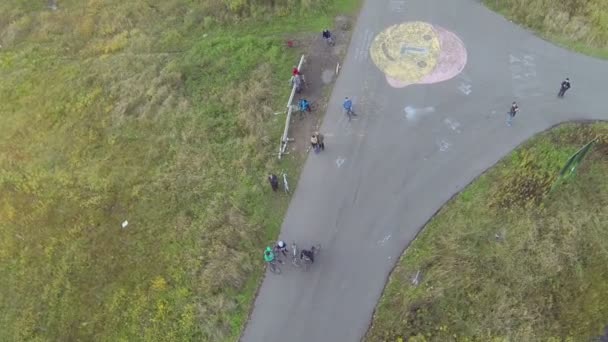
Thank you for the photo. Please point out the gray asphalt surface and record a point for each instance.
(382, 176)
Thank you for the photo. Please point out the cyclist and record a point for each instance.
(348, 108)
(304, 106)
(307, 256)
(269, 255)
(281, 247)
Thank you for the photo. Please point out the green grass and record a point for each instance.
(581, 25)
(508, 259)
(159, 113)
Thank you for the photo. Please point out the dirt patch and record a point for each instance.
(319, 71)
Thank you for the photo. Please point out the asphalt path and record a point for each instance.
(384, 175)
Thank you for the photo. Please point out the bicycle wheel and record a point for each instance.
(285, 183)
(296, 261)
(274, 268)
(307, 262)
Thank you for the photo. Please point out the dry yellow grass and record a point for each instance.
(579, 24)
(159, 113)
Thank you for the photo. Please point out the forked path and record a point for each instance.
(385, 174)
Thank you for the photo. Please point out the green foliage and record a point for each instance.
(526, 183)
(495, 273)
(579, 24)
(153, 112)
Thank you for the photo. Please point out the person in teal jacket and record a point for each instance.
(268, 255)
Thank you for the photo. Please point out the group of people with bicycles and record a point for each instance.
(273, 255)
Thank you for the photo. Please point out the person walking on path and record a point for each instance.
(563, 88)
(274, 181)
(348, 108)
(512, 112)
(320, 143)
(314, 142)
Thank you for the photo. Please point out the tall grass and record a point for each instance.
(579, 24)
(158, 113)
(526, 270)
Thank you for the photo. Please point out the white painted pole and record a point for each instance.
(284, 138)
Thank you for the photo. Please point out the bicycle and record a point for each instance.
(285, 184)
(315, 249)
(272, 262)
(295, 258)
(273, 267)
(349, 113)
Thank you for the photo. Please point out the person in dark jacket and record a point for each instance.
(564, 87)
(274, 181)
(328, 37)
(320, 141)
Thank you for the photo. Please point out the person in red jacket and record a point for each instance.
(295, 71)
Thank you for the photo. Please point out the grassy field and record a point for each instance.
(508, 259)
(155, 112)
(581, 25)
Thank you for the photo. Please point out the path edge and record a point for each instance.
(458, 192)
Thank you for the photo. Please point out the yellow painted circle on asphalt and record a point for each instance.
(406, 52)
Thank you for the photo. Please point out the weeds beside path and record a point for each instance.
(507, 259)
(581, 25)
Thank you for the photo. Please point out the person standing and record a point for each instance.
(281, 247)
(328, 38)
(512, 112)
(348, 108)
(320, 141)
(274, 181)
(564, 87)
(295, 71)
(314, 142)
(296, 80)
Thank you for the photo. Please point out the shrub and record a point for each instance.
(526, 183)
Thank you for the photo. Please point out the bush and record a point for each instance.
(525, 183)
